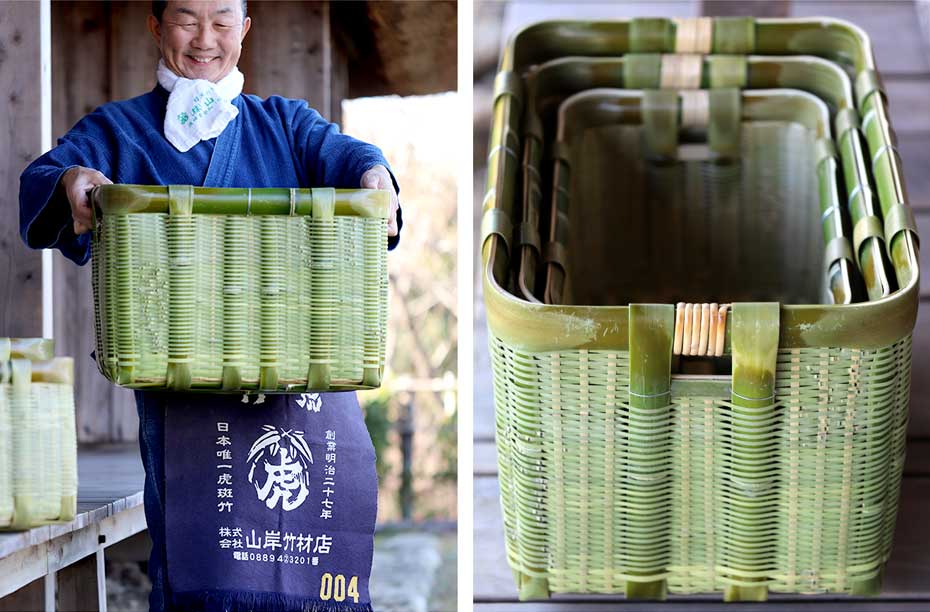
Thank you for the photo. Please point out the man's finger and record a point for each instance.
(80, 228)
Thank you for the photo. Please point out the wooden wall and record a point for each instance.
(102, 51)
(20, 143)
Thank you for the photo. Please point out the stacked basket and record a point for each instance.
(38, 446)
(700, 273)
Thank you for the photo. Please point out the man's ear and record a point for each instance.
(245, 28)
(155, 28)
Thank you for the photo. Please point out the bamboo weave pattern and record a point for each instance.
(596, 493)
(267, 302)
(38, 449)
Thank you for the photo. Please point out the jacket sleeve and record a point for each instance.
(334, 159)
(45, 220)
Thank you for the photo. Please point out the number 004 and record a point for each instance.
(334, 587)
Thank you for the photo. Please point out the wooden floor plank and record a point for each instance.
(919, 425)
(914, 149)
(907, 577)
(110, 478)
(892, 26)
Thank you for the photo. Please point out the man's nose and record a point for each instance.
(205, 37)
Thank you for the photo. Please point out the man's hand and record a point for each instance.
(377, 177)
(76, 182)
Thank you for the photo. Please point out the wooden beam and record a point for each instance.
(20, 143)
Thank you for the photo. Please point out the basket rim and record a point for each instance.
(543, 327)
(771, 29)
(121, 199)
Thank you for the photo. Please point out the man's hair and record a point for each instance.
(159, 6)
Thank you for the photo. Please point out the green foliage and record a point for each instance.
(379, 423)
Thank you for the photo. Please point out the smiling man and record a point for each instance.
(197, 128)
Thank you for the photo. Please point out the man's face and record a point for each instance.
(201, 40)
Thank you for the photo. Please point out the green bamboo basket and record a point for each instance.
(731, 218)
(38, 440)
(780, 472)
(231, 290)
(549, 84)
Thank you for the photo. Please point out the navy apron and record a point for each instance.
(271, 502)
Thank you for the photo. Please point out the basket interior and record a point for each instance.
(695, 230)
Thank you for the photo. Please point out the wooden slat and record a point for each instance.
(907, 104)
(920, 383)
(20, 124)
(87, 34)
(285, 53)
(483, 387)
(907, 576)
(892, 26)
(923, 229)
(492, 577)
(30, 598)
(133, 55)
(746, 8)
(914, 148)
(78, 584)
(79, 51)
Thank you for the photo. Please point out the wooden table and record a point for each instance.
(902, 57)
(60, 567)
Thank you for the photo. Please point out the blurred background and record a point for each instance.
(900, 34)
(386, 72)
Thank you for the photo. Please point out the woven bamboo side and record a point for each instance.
(572, 490)
(263, 302)
(38, 444)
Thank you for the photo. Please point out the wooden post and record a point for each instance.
(101, 52)
(20, 143)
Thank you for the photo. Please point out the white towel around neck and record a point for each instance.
(198, 109)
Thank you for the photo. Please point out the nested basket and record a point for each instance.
(730, 218)
(240, 289)
(549, 84)
(38, 440)
(780, 470)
